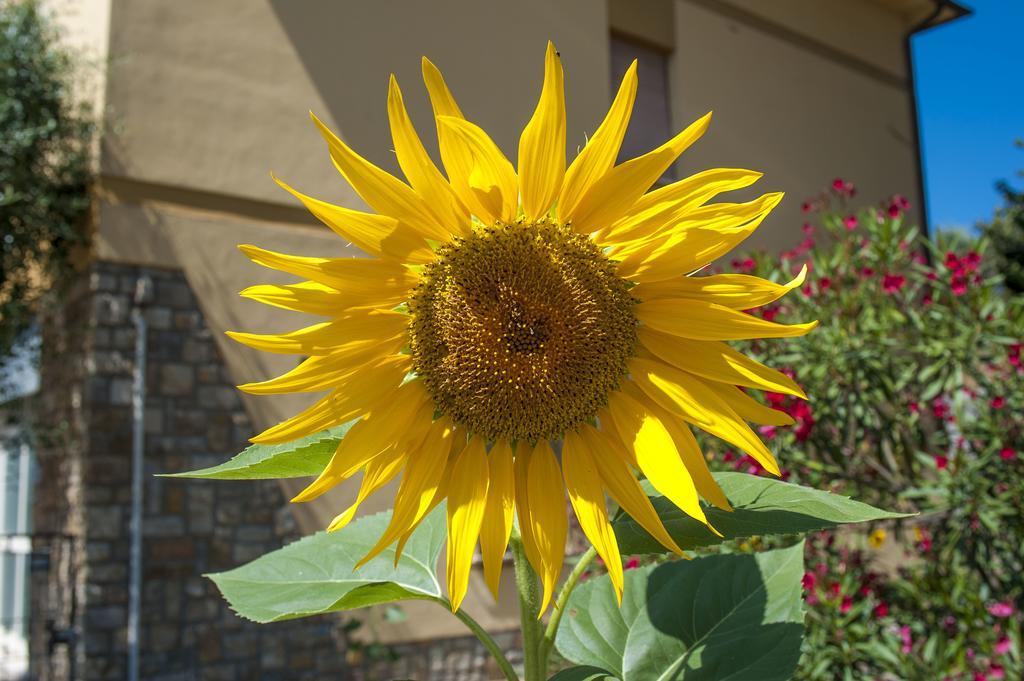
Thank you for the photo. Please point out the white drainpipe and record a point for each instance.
(143, 293)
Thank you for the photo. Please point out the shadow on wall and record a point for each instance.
(490, 53)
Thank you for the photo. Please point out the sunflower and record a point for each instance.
(508, 313)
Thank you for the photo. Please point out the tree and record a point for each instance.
(45, 169)
(1006, 233)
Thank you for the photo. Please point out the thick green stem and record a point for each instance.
(492, 646)
(561, 600)
(534, 665)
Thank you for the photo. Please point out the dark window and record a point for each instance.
(650, 126)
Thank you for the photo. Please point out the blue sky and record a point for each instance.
(970, 87)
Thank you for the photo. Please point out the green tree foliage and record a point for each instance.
(1006, 234)
(44, 169)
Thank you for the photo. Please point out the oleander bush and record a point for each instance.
(916, 388)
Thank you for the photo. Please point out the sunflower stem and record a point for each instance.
(534, 667)
(489, 643)
(561, 600)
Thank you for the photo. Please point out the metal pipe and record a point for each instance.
(143, 289)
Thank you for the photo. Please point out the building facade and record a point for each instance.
(201, 100)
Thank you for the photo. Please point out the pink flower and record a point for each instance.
(1007, 453)
(1001, 609)
(808, 228)
(881, 610)
(806, 207)
(892, 283)
(839, 185)
(834, 589)
(941, 462)
(866, 272)
(958, 285)
(927, 299)
(997, 402)
(746, 265)
(951, 262)
(907, 639)
(768, 432)
(846, 605)
(894, 211)
(996, 672)
(940, 409)
(632, 563)
(850, 222)
(809, 581)
(915, 408)
(1003, 645)
(919, 258)
(931, 276)
(824, 284)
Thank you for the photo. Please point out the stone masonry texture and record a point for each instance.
(193, 418)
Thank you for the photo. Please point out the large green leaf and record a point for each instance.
(732, 616)
(761, 506)
(296, 459)
(315, 575)
(583, 674)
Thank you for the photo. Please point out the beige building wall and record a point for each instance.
(203, 99)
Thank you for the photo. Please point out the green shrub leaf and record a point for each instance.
(761, 506)
(734, 616)
(315, 574)
(296, 459)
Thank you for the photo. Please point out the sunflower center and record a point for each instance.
(521, 330)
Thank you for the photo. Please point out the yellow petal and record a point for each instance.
(521, 466)
(375, 388)
(385, 193)
(350, 372)
(716, 361)
(497, 520)
(309, 297)
(542, 144)
(479, 173)
(355, 275)
(403, 423)
(686, 445)
(748, 408)
(622, 486)
(356, 329)
(440, 96)
(698, 320)
(598, 156)
(378, 235)
(379, 472)
(467, 496)
(686, 396)
(687, 248)
(611, 196)
(738, 291)
(419, 483)
(659, 209)
(549, 524)
(584, 485)
(418, 167)
(644, 435)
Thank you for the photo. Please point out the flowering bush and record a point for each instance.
(916, 384)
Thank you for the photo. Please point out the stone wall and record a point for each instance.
(193, 419)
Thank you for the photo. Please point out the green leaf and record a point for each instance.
(315, 574)
(761, 506)
(296, 459)
(583, 674)
(732, 616)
